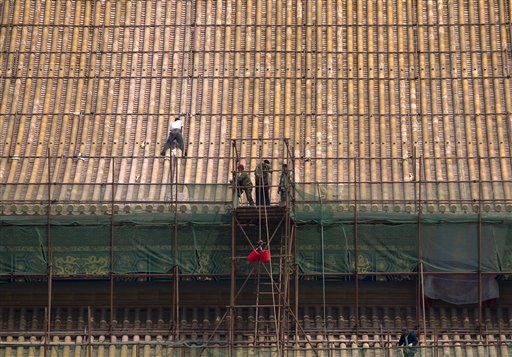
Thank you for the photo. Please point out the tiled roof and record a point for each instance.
(147, 331)
(162, 345)
(408, 101)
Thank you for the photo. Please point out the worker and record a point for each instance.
(408, 341)
(285, 183)
(262, 175)
(244, 184)
(174, 135)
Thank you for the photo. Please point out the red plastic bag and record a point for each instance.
(265, 256)
(254, 256)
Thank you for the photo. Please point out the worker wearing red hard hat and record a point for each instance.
(244, 184)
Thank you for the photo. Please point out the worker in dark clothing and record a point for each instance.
(244, 184)
(174, 135)
(262, 175)
(286, 183)
(408, 340)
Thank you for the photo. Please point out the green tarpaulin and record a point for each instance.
(143, 243)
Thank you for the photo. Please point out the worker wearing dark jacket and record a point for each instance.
(286, 184)
(408, 340)
(262, 175)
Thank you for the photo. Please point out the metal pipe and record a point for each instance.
(220, 276)
(89, 332)
(112, 249)
(337, 158)
(49, 262)
(420, 248)
(479, 244)
(232, 291)
(356, 251)
(174, 194)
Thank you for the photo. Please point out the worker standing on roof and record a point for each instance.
(286, 183)
(174, 135)
(262, 175)
(244, 184)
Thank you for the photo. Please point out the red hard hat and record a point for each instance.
(241, 167)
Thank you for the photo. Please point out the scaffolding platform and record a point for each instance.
(253, 214)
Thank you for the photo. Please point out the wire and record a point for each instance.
(278, 342)
(261, 191)
(323, 261)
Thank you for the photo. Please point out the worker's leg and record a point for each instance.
(167, 145)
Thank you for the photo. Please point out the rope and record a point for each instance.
(267, 246)
(323, 262)
(274, 309)
(278, 342)
(256, 324)
(323, 283)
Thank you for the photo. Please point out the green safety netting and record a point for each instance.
(143, 243)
